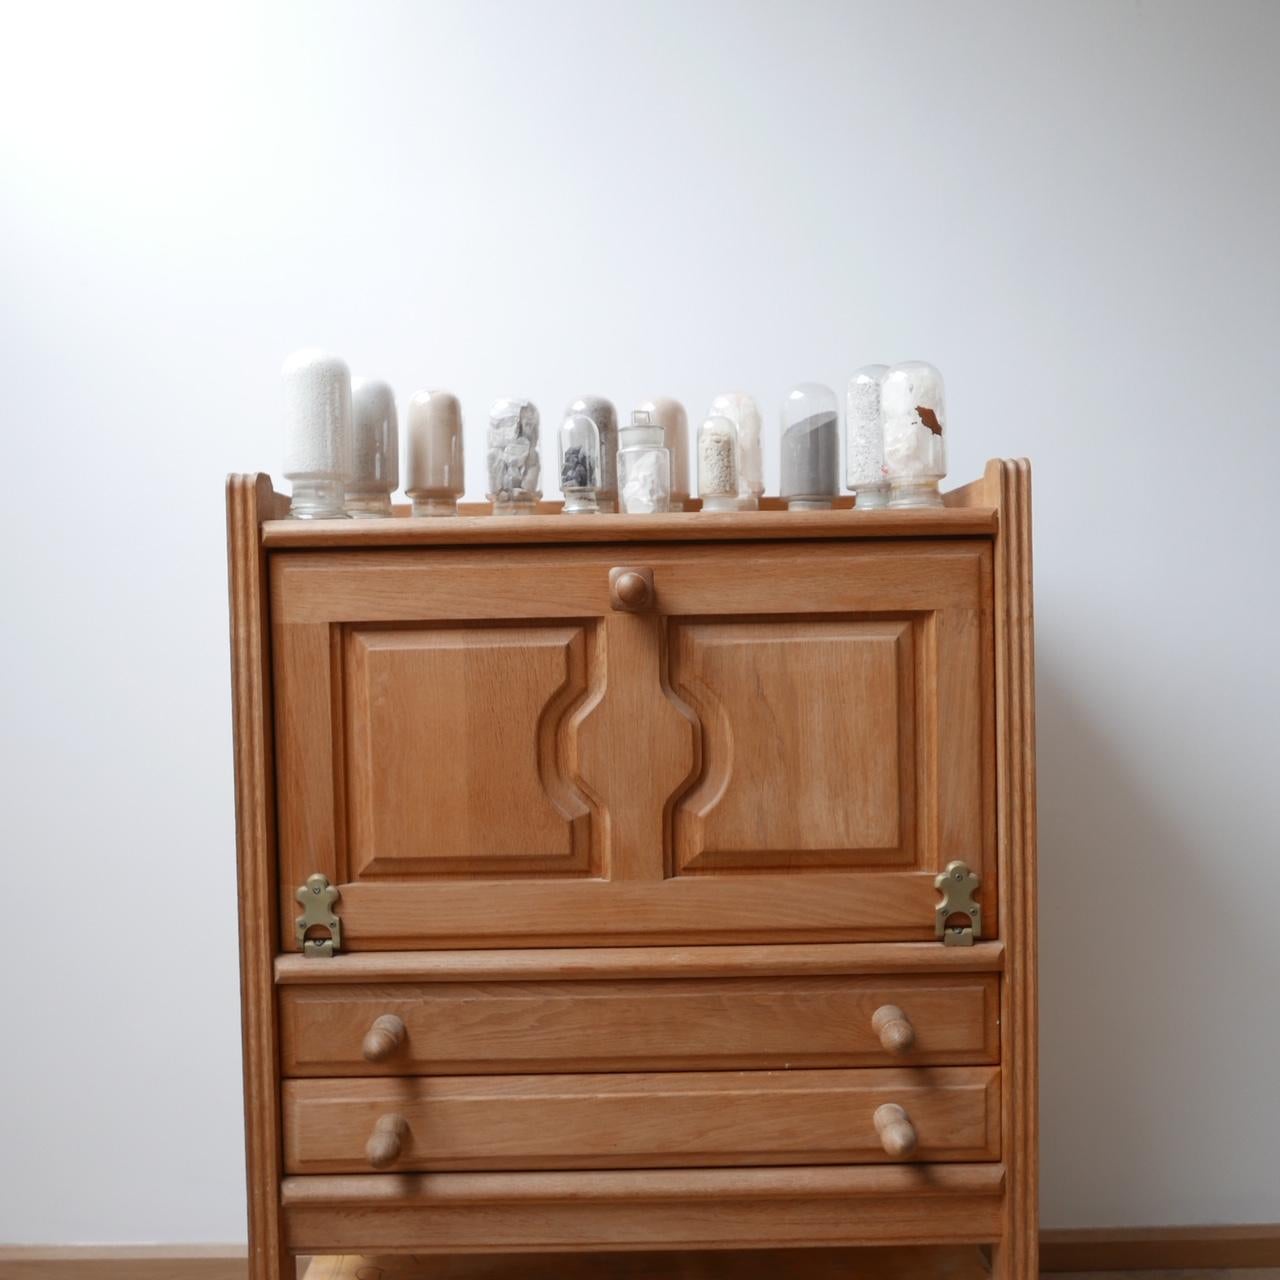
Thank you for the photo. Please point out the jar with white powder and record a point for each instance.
(810, 447)
(913, 407)
(436, 477)
(579, 464)
(317, 429)
(512, 457)
(864, 438)
(718, 464)
(644, 466)
(605, 416)
(670, 415)
(375, 449)
(744, 413)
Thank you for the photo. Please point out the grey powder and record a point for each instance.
(811, 457)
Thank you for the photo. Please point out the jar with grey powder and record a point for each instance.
(512, 457)
(810, 447)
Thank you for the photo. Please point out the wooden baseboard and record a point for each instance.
(123, 1262)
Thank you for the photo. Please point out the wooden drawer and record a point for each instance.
(637, 1120)
(456, 1028)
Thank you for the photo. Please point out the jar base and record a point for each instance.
(369, 506)
(580, 504)
(871, 498)
(318, 500)
(434, 506)
(808, 504)
(923, 493)
(513, 508)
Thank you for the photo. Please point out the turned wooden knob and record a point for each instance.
(385, 1036)
(894, 1028)
(386, 1140)
(897, 1133)
(631, 590)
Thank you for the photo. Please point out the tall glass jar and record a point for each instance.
(375, 462)
(436, 476)
(718, 482)
(317, 430)
(644, 467)
(670, 415)
(810, 447)
(605, 416)
(864, 438)
(512, 456)
(913, 405)
(744, 413)
(579, 464)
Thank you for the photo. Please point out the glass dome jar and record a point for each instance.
(670, 415)
(317, 433)
(644, 467)
(744, 413)
(810, 447)
(913, 409)
(436, 476)
(605, 416)
(375, 449)
(579, 464)
(512, 457)
(718, 481)
(864, 438)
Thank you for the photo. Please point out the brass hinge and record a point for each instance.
(957, 884)
(318, 897)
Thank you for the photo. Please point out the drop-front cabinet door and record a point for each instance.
(497, 747)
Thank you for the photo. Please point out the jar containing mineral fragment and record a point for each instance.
(718, 464)
(514, 468)
(317, 422)
(375, 449)
(670, 415)
(913, 408)
(605, 416)
(810, 447)
(644, 467)
(743, 412)
(864, 438)
(436, 478)
(579, 464)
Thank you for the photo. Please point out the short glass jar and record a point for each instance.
(579, 464)
(605, 416)
(436, 475)
(744, 413)
(810, 447)
(644, 467)
(913, 409)
(718, 481)
(317, 433)
(864, 438)
(512, 457)
(375, 449)
(670, 415)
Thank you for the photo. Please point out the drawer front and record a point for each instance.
(453, 1028)
(640, 1120)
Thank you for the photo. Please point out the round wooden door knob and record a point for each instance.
(631, 590)
(384, 1038)
(386, 1141)
(894, 1029)
(897, 1133)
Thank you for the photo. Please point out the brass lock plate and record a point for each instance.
(318, 897)
(958, 884)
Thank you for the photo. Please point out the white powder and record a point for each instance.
(375, 450)
(317, 416)
(743, 412)
(718, 459)
(645, 478)
(864, 460)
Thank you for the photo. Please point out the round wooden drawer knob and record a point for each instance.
(894, 1028)
(384, 1038)
(631, 590)
(386, 1141)
(897, 1133)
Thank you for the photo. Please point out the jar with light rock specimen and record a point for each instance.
(913, 409)
(810, 447)
(435, 477)
(864, 438)
(375, 449)
(512, 457)
(579, 464)
(317, 431)
(644, 467)
(670, 415)
(718, 481)
(744, 413)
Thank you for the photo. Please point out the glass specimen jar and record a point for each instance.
(744, 413)
(512, 457)
(375, 449)
(810, 447)
(913, 408)
(670, 415)
(644, 467)
(579, 464)
(864, 438)
(317, 433)
(436, 478)
(718, 464)
(605, 416)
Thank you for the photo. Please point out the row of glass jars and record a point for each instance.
(342, 453)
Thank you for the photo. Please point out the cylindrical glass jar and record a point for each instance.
(644, 467)
(718, 482)
(605, 416)
(436, 475)
(744, 413)
(317, 422)
(375, 449)
(913, 407)
(864, 438)
(674, 421)
(512, 456)
(579, 464)
(810, 447)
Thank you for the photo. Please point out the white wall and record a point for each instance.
(1071, 208)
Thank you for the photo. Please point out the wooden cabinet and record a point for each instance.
(633, 827)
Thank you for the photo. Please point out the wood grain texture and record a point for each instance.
(1156, 1248)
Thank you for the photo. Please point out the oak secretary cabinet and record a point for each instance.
(589, 879)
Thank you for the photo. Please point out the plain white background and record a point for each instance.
(1071, 208)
